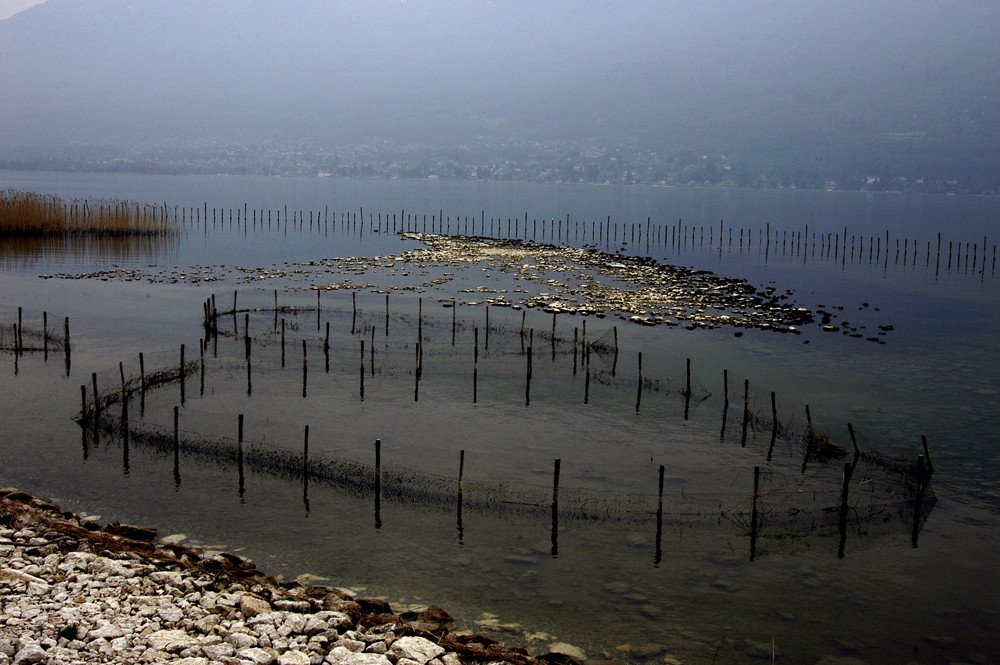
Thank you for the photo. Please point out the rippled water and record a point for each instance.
(605, 573)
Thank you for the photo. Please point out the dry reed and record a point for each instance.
(27, 214)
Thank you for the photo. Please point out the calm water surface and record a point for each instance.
(604, 576)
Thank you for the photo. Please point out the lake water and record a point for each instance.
(601, 569)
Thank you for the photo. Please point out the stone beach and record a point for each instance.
(72, 591)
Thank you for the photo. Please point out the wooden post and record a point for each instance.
(97, 396)
(305, 368)
(83, 401)
(725, 385)
(354, 310)
(475, 365)
(387, 312)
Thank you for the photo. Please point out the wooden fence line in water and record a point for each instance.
(840, 246)
(38, 341)
(306, 468)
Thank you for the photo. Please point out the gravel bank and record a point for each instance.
(72, 591)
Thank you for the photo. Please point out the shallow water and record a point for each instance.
(602, 578)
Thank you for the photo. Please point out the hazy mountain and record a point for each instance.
(828, 85)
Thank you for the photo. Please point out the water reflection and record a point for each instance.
(27, 253)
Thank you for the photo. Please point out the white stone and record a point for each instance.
(32, 653)
(108, 631)
(218, 651)
(416, 648)
(241, 640)
(348, 658)
(170, 614)
(168, 577)
(573, 652)
(255, 655)
(293, 657)
(169, 640)
(314, 625)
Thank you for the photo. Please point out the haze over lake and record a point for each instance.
(616, 290)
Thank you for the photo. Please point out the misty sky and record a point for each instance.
(698, 75)
(11, 7)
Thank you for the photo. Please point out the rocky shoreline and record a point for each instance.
(72, 591)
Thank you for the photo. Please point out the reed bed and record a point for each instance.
(27, 214)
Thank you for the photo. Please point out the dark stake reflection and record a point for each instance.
(239, 468)
(461, 530)
(774, 438)
(725, 416)
(658, 556)
(848, 473)
(125, 434)
(555, 529)
(923, 479)
(753, 514)
(743, 437)
(177, 469)
(305, 492)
